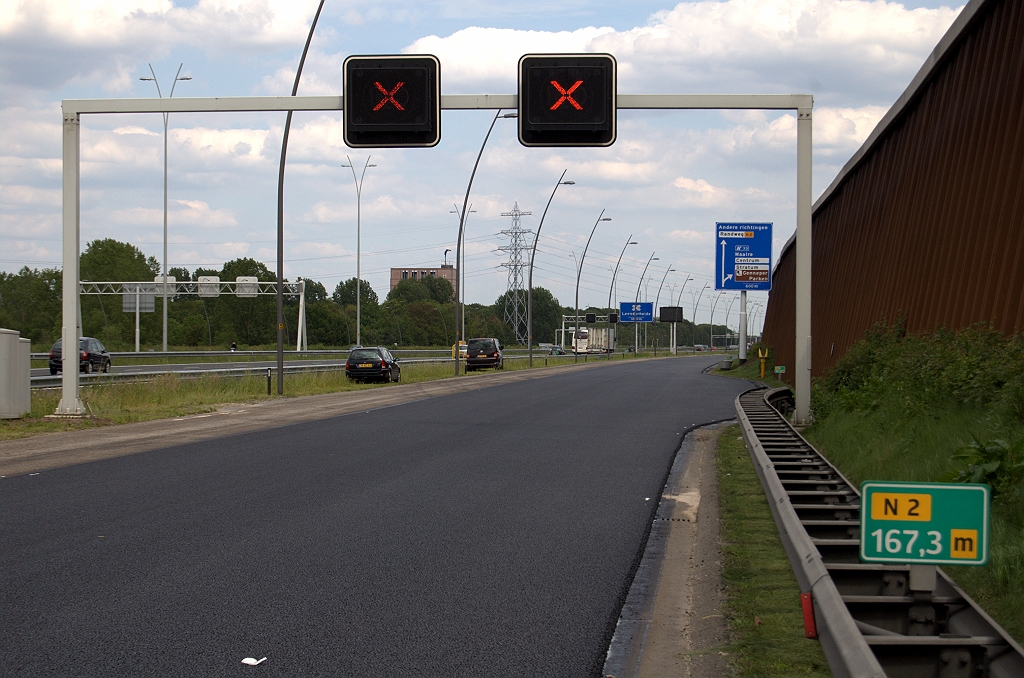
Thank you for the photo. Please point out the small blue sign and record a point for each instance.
(743, 256)
(641, 312)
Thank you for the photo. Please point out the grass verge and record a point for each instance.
(762, 596)
(168, 396)
(884, 444)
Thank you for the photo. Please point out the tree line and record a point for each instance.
(415, 313)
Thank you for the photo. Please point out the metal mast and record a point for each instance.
(515, 297)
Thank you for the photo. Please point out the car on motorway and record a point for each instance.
(92, 356)
(376, 363)
(484, 352)
(556, 350)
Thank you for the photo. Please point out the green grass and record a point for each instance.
(168, 396)
(762, 596)
(898, 406)
(889, 444)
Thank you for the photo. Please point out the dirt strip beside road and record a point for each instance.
(688, 633)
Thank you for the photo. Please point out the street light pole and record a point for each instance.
(462, 224)
(156, 82)
(579, 272)
(463, 269)
(533, 255)
(629, 241)
(359, 202)
(657, 297)
(693, 343)
(711, 326)
(636, 325)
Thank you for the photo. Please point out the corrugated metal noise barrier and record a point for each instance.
(869, 618)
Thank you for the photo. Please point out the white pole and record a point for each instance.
(743, 325)
(136, 318)
(300, 339)
(802, 371)
(70, 403)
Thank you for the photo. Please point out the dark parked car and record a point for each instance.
(373, 362)
(484, 353)
(92, 356)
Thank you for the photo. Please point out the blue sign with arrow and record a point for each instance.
(639, 312)
(743, 260)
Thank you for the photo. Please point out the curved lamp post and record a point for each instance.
(693, 342)
(629, 241)
(712, 324)
(457, 213)
(359, 280)
(636, 325)
(462, 225)
(156, 82)
(579, 272)
(280, 208)
(533, 254)
(657, 297)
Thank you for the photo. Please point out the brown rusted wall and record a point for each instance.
(930, 224)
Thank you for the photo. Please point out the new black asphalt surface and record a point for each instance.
(488, 533)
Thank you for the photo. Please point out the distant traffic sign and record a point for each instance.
(642, 312)
(567, 100)
(743, 256)
(780, 369)
(940, 523)
(392, 101)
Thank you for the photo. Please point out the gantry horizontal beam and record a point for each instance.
(451, 102)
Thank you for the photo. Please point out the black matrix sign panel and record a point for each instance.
(567, 100)
(392, 101)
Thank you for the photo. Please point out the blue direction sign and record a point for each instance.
(743, 256)
(642, 312)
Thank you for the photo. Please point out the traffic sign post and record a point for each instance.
(636, 312)
(567, 100)
(743, 260)
(392, 101)
(927, 523)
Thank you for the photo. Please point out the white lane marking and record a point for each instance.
(253, 662)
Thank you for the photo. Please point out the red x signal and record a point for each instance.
(389, 96)
(566, 95)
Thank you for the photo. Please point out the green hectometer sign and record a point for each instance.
(940, 523)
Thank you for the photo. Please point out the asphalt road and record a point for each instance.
(491, 532)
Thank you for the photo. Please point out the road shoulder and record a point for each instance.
(672, 624)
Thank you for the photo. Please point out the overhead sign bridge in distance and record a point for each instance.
(743, 256)
(567, 100)
(392, 101)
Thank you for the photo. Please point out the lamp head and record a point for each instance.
(632, 243)
(148, 79)
(567, 183)
(606, 219)
(511, 115)
(184, 77)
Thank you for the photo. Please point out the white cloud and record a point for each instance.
(134, 130)
(840, 50)
(50, 43)
(487, 57)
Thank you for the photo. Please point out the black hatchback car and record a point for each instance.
(92, 356)
(485, 352)
(373, 362)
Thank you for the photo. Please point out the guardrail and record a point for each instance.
(872, 619)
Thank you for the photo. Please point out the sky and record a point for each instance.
(667, 179)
